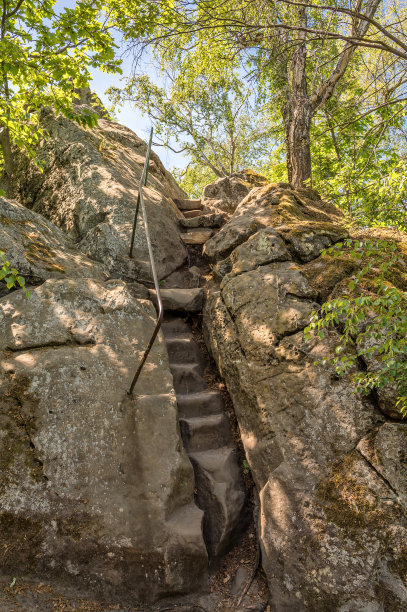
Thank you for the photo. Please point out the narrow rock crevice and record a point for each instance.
(379, 474)
(51, 345)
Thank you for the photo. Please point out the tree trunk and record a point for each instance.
(297, 122)
(297, 114)
(5, 144)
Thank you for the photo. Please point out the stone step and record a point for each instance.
(184, 350)
(220, 494)
(210, 220)
(189, 204)
(189, 214)
(176, 299)
(186, 524)
(197, 236)
(205, 432)
(202, 403)
(174, 326)
(187, 377)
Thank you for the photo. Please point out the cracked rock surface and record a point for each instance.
(39, 249)
(96, 490)
(329, 464)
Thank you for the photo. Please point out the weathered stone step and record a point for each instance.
(205, 432)
(210, 220)
(175, 327)
(197, 236)
(201, 403)
(187, 377)
(189, 204)
(207, 438)
(220, 494)
(184, 350)
(184, 300)
(189, 214)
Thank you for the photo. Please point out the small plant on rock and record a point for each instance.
(10, 275)
(371, 315)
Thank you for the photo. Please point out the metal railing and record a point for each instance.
(140, 202)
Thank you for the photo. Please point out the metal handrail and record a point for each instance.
(140, 201)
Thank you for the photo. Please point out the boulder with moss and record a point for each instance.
(328, 463)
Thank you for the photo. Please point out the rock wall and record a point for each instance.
(329, 464)
(88, 187)
(39, 249)
(95, 487)
(226, 193)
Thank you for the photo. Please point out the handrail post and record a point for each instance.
(140, 202)
(143, 181)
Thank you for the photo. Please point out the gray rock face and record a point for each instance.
(296, 218)
(210, 220)
(39, 249)
(95, 487)
(89, 189)
(262, 248)
(327, 463)
(225, 194)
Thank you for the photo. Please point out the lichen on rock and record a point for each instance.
(95, 487)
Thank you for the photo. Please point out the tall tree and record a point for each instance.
(302, 49)
(214, 121)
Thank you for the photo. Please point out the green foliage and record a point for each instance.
(358, 136)
(372, 317)
(359, 144)
(10, 275)
(211, 118)
(45, 57)
(194, 178)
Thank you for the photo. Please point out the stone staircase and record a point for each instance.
(198, 224)
(204, 424)
(207, 438)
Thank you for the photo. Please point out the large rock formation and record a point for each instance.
(88, 187)
(39, 249)
(225, 194)
(95, 487)
(328, 463)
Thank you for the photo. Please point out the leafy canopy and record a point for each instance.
(211, 118)
(45, 56)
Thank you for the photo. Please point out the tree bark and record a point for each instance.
(5, 144)
(297, 122)
(298, 114)
(301, 107)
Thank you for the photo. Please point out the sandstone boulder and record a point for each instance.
(39, 249)
(95, 487)
(225, 194)
(296, 218)
(327, 462)
(89, 188)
